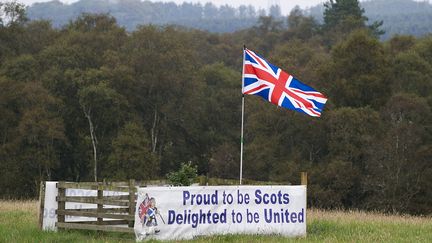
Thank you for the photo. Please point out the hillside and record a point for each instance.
(132, 13)
(405, 17)
(399, 16)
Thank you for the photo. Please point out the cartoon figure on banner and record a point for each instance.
(147, 213)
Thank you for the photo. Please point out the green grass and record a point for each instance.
(18, 223)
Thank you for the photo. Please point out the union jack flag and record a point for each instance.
(143, 208)
(278, 87)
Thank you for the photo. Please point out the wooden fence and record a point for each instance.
(117, 219)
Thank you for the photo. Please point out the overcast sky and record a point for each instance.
(286, 5)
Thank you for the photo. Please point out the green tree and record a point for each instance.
(300, 26)
(350, 131)
(338, 175)
(411, 74)
(41, 130)
(23, 68)
(400, 43)
(10, 167)
(343, 16)
(164, 67)
(185, 176)
(225, 161)
(12, 13)
(395, 176)
(358, 75)
(335, 185)
(10, 105)
(12, 20)
(38, 35)
(103, 108)
(131, 157)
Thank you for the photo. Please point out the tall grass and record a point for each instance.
(18, 223)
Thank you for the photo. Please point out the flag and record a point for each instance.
(278, 87)
(143, 208)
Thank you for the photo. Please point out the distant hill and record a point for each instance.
(399, 16)
(131, 13)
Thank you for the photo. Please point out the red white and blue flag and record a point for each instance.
(278, 87)
(143, 208)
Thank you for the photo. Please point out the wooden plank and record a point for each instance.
(76, 185)
(105, 183)
(113, 198)
(71, 212)
(61, 204)
(105, 210)
(41, 203)
(132, 190)
(118, 183)
(303, 178)
(304, 182)
(100, 204)
(106, 198)
(95, 227)
(94, 215)
(107, 222)
(92, 200)
(86, 183)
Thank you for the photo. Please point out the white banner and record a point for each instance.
(50, 206)
(171, 213)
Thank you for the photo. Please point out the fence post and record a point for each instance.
(61, 202)
(303, 178)
(99, 202)
(304, 182)
(41, 203)
(132, 191)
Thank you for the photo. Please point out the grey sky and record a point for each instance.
(286, 5)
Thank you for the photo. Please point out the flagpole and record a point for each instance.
(242, 120)
(241, 142)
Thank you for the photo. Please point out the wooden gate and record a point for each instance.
(107, 218)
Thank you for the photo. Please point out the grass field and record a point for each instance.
(18, 223)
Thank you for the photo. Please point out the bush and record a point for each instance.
(183, 177)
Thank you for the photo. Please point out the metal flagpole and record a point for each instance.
(242, 121)
(241, 142)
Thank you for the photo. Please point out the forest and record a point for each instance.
(400, 16)
(139, 104)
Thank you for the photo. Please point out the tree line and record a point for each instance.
(132, 13)
(400, 16)
(139, 104)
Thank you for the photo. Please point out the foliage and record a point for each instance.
(341, 17)
(12, 13)
(131, 157)
(184, 176)
(339, 12)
